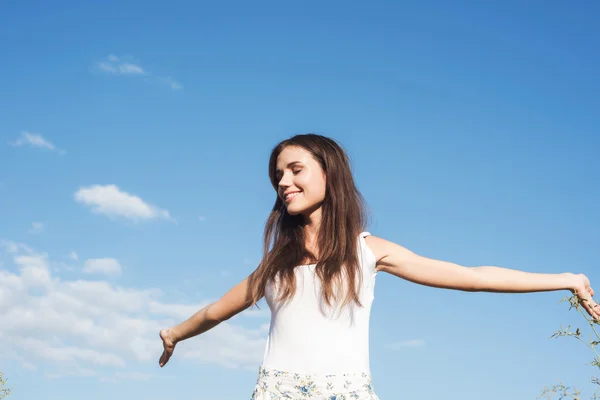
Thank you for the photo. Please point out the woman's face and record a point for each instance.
(301, 181)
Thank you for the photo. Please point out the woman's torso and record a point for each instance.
(307, 336)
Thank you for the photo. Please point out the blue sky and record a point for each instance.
(133, 188)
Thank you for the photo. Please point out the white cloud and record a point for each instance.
(36, 228)
(130, 69)
(106, 67)
(111, 201)
(406, 344)
(29, 366)
(33, 139)
(55, 351)
(115, 65)
(105, 266)
(94, 328)
(73, 256)
(36, 140)
(172, 83)
(13, 247)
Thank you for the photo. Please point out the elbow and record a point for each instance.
(214, 313)
(478, 281)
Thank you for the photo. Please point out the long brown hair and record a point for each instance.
(343, 218)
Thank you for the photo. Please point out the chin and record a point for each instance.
(294, 211)
(304, 209)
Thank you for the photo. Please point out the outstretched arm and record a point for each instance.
(401, 262)
(236, 300)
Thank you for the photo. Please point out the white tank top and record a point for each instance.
(307, 336)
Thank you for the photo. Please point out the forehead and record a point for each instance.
(293, 154)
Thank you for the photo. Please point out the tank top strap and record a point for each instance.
(367, 256)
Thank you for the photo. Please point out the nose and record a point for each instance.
(285, 180)
(284, 183)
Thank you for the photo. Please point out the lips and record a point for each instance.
(290, 196)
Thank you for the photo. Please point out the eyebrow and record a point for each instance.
(278, 171)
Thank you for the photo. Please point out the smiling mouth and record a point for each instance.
(290, 196)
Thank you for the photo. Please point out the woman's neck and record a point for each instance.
(312, 224)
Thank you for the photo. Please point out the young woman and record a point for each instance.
(318, 276)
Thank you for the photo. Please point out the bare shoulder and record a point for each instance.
(387, 252)
(377, 246)
(381, 247)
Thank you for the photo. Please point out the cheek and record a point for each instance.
(322, 189)
(315, 188)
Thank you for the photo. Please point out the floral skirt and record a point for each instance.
(273, 384)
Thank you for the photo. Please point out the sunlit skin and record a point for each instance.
(299, 172)
(301, 176)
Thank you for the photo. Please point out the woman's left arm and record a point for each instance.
(399, 261)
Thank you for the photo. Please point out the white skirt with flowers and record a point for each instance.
(273, 384)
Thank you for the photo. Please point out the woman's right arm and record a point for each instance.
(236, 300)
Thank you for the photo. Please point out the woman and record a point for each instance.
(318, 276)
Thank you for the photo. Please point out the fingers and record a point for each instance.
(596, 309)
(164, 358)
(592, 308)
(168, 348)
(166, 355)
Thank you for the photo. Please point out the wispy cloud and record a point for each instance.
(13, 247)
(406, 344)
(36, 228)
(172, 83)
(115, 65)
(111, 201)
(35, 140)
(103, 266)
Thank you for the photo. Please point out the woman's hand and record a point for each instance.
(169, 342)
(584, 291)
